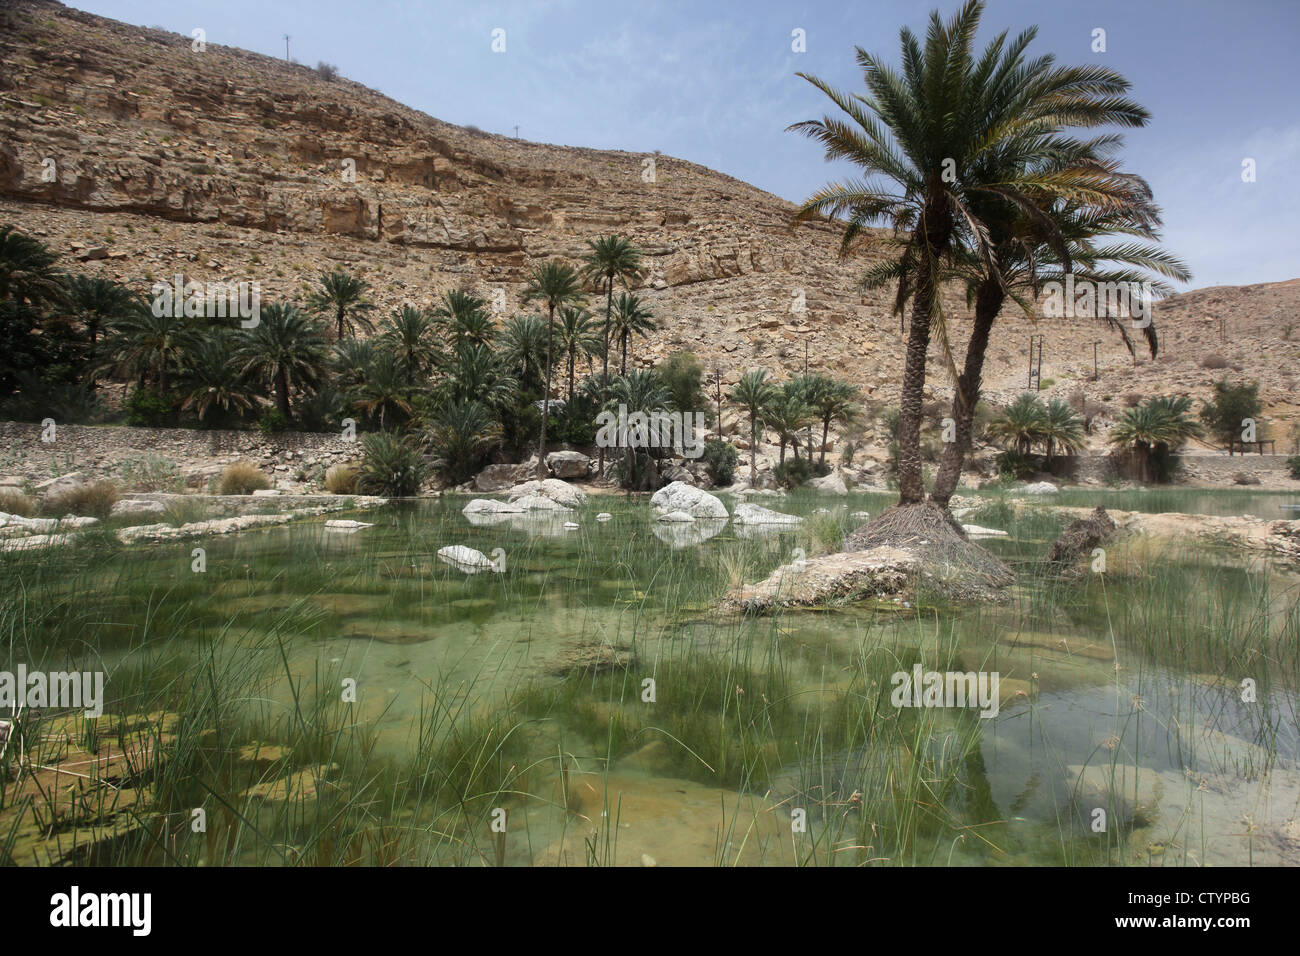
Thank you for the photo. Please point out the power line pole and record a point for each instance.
(516, 132)
(286, 46)
(1095, 375)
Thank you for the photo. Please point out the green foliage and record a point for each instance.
(1015, 464)
(391, 465)
(793, 472)
(1153, 433)
(1293, 466)
(1224, 414)
(720, 458)
(461, 435)
(683, 376)
(271, 422)
(149, 408)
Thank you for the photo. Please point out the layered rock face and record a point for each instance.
(138, 158)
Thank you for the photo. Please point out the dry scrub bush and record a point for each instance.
(93, 500)
(341, 479)
(14, 502)
(242, 478)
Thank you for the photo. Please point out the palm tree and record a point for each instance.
(210, 379)
(753, 393)
(475, 373)
(610, 258)
(344, 296)
(949, 130)
(524, 350)
(556, 285)
(1154, 431)
(640, 391)
(831, 401)
(631, 317)
(576, 338)
(468, 316)
(384, 390)
(408, 334)
(97, 303)
(286, 349)
(1063, 428)
(461, 434)
(786, 413)
(145, 345)
(27, 273)
(1022, 424)
(1028, 256)
(351, 360)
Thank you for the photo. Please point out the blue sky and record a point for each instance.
(714, 83)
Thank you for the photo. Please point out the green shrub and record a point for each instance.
(148, 408)
(720, 458)
(1014, 464)
(1231, 405)
(392, 466)
(1293, 466)
(272, 422)
(793, 473)
(242, 478)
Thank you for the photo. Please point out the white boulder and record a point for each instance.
(693, 501)
(747, 513)
(564, 495)
(1040, 488)
(465, 559)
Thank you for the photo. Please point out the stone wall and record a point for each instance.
(1215, 467)
(98, 452)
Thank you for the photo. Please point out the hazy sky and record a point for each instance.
(714, 83)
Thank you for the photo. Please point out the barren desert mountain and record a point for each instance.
(139, 157)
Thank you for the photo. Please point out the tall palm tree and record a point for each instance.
(609, 259)
(576, 338)
(631, 317)
(284, 351)
(461, 434)
(408, 334)
(467, 316)
(753, 393)
(1028, 256)
(948, 130)
(556, 285)
(350, 360)
(211, 381)
(344, 296)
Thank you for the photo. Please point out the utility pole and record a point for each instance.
(717, 378)
(1035, 369)
(1095, 374)
(286, 47)
(516, 132)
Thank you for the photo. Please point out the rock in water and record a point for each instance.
(552, 489)
(688, 499)
(491, 506)
(346, 527)
(465, 559)
(1040, 488)
(757, 514)
(831, 484)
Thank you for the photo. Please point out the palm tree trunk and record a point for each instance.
(937, 226)
(988, 303)
(340, 319)
(571, 357)
(604, 371)
(622, 369)
(282, 392)
(753, 449)
(546, 393)
(826, 426)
